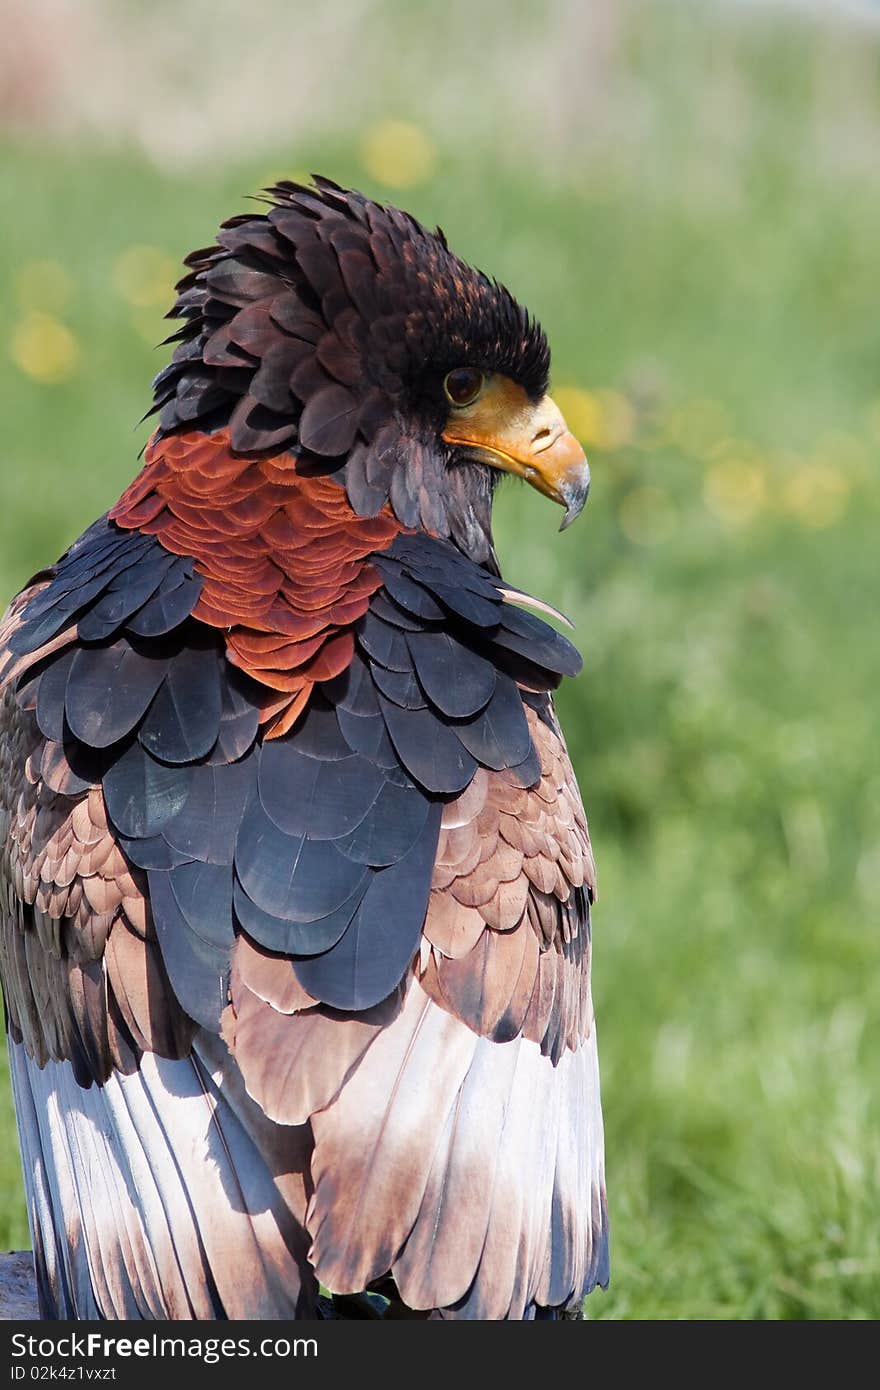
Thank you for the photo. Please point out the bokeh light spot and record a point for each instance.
(145, 276)
(398, 154)
(816, 495)
(603, 419)
(44, 349)
(582, 412)
(735, 489)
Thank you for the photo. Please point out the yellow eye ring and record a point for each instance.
(462, 385)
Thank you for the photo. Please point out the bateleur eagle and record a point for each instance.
(295, 878)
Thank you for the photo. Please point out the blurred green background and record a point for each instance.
(688, 196)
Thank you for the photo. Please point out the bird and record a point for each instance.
(295, 876)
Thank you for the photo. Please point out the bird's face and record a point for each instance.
(492, 420)
(347, 336)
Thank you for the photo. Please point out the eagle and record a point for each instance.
(295, 876)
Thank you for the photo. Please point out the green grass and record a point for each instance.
(723, 585)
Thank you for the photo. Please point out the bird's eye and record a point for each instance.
(463, 385)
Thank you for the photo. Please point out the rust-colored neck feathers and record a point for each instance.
(283, 558)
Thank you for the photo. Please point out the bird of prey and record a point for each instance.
(295, 878)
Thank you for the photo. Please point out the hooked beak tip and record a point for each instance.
(575, 496)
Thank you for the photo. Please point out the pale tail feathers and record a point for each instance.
(472, 1169)
(149, 1199)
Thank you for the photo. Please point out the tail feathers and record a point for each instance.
(472, 1169)
(469, 1169)
(56, 1295)
(162, 1203)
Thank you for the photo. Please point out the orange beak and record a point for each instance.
(508, 431)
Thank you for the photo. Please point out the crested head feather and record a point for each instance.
(321, 326)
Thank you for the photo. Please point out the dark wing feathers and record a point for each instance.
(198, 968)
(436, 656)
(377, 947)
(183, 724)
(51, 688)
(72, 909)
(109, 689)
(303, 841)
(88, 572)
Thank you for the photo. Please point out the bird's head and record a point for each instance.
(345, 334)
